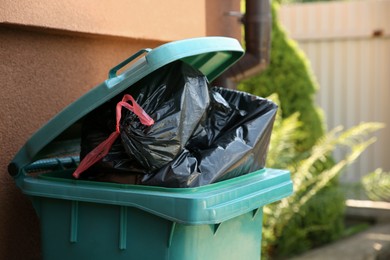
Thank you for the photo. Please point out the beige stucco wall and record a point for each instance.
(40, 74)
(51, 54)
(151, 19)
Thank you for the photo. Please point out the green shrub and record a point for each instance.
(289, 76)
(377, 185)
(311, 227)
(313, 215)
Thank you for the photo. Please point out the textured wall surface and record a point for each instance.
(52, 54)
(41, 74)
(152, 19)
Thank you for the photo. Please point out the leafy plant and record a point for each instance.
(314, 215)
(290, 77)
(377, 185)
(290, 223)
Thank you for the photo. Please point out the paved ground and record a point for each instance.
(374, 243)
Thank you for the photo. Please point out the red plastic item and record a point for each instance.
(103, 148)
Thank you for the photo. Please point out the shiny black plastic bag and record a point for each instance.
(175, 96)
(232, 141)
(177, 99)
(200, 135)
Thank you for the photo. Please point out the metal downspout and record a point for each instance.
(257, 26)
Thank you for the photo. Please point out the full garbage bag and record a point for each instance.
(232, 141)
(200, 135)
(175, 96)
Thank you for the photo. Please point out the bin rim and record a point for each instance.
(209, 204)
(211, 55)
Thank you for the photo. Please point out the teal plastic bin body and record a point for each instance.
(93, 220)
(83, 220)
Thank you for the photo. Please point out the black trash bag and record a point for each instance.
(232, 140)
(117, 165)
(175, 96)
(200, 136)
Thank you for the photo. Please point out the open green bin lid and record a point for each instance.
(210, 55)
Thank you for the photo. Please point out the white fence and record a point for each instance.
(348, 45)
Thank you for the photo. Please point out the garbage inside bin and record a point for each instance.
(200, 135)
(105, 220)
(176, 96)
(232, 140)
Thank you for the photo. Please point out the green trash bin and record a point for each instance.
(97, 220)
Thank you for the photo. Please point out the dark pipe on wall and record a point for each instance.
(257, 27)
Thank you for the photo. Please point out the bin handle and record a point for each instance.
(114, 70)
